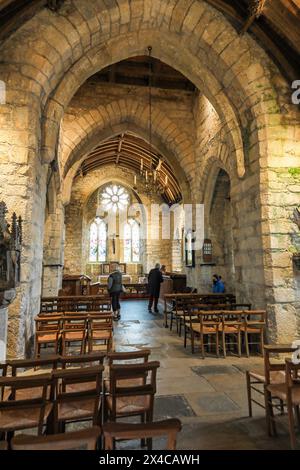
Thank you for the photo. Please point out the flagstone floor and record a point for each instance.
(207, 395)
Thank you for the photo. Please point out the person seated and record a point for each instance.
(218, 284)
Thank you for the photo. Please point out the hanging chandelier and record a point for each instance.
(153, 181)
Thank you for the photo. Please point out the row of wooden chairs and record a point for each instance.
(62, 331)
(61, 396)
(276, 388)
(88, 439)
(50, 305)
(183, 304)
(219, 325)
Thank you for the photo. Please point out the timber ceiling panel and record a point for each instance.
(127, 151)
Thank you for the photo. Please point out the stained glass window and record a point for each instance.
(131, 242)
(114, 198)
(98, 240)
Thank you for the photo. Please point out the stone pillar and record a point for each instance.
(23, 188)
(53, 252)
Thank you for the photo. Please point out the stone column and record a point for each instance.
(53, 252)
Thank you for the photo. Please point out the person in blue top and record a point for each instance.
(218, 284)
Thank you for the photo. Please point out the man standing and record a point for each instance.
(154, 281)
(115, 288)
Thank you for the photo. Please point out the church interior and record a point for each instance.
(149, 224)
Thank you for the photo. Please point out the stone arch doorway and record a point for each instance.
(249, 96)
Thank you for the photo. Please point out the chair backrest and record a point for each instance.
(128, 357)
(292, 371)
(48, 323)
(271, 350)
(256, 316)
(100, 321)
(129, 373)
(40, 383)
(63, 378)
(74, 322)
(83, 360)
(21, 365)
(86, 439)
(128, 431)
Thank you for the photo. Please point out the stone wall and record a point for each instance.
(83, 208)
(44, 63)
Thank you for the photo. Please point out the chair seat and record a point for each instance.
(206, 329)
(279, 391)
(77, 409)
(134, 404)
(276, 377)
(16, 419)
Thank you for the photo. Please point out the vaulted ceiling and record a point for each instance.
(128, 151)
(275, 24)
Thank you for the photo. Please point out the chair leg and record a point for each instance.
(192, 342)
(262, 342)
(291, 423)
(247, 343)
(224, 344)
(239, 344)
(202, 346)
(248, 381)
(217, 344)
(143, 441)
(267, 410)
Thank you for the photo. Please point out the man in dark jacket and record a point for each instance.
(115, 287)
(154, 281)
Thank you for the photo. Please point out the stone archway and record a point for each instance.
(52, 55)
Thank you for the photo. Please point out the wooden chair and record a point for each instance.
(85, 439)
(127, 398)
(74, 330)
(100, 329)
(18, 413)
(202, 324)
(80, 361)
(274, 392)
(73, 405)
(32, 367)
(255, 381)
(230, 325)
(47, 333)
(127, 431)
(254, 324)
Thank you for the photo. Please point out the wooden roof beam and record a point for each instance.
(256, 8)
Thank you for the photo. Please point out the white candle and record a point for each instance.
(142, 164)
(146, 175)
(134, 179)
(154, 175)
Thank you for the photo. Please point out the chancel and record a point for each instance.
(149, 225)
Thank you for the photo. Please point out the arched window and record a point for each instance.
(131, 242)
(98, 241)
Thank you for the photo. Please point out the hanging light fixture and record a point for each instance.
(151, 177)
